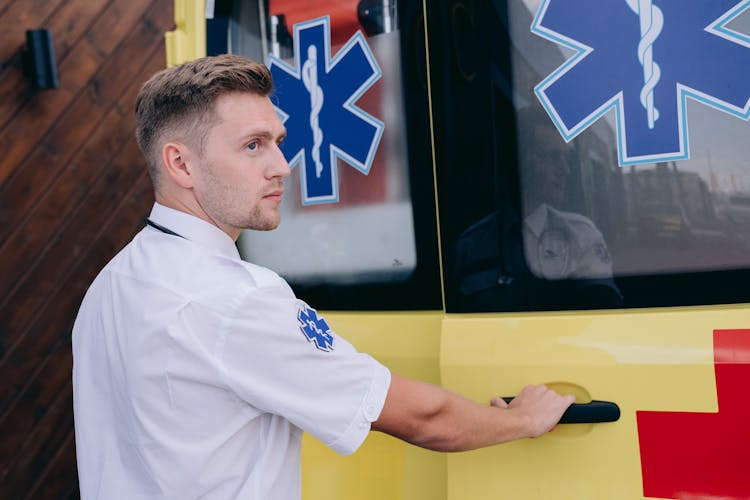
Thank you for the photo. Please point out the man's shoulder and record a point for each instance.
(183, 268)
(261, 277)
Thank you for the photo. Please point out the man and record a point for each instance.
(192, 378)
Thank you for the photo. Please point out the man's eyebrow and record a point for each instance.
(247, 134)
(261, 133)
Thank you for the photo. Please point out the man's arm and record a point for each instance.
(432, 417)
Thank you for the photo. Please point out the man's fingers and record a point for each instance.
(498, 403)
(543, 406)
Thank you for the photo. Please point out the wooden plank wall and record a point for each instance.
(73, 191)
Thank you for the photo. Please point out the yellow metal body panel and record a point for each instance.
(188, 40)
(384, 467)
(641, 359)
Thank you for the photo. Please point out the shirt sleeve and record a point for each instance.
(281, 357)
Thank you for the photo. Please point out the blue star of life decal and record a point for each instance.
(315, 328)
(644, 58)
(315, 100)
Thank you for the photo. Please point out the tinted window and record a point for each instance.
(531, 221)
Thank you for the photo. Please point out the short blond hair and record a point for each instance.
(179, 101)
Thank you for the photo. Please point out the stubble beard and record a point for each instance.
(224, 204)
(260, 222)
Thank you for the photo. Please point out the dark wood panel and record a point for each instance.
(37, 232)
(72, 21)
(41, 387)
(35, 176)
(4, 4)
(67, 23)
(121, 16)
(19, 16)
(33, 120)
(58, 478)
(50, 434)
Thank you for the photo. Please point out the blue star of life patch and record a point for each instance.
(315, 101)
(644, 58)
(315, 328)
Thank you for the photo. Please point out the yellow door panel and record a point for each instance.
(657, 360)
(384, 467)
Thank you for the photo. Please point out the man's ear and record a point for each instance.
(179, 162)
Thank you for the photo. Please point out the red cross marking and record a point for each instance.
(703, 455)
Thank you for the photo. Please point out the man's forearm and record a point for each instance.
(463, 424)
(434, 418)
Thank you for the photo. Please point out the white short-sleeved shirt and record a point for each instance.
(195, 374)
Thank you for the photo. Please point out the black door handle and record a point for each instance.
(588, 413)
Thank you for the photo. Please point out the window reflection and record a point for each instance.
(683, 216)
(571, 228)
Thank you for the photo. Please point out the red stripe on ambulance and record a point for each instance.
(705, 454)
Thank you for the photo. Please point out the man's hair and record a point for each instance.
(178, 102)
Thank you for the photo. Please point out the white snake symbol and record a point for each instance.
(310, 79)
(651, 23)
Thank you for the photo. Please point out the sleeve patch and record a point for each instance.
(315, 328)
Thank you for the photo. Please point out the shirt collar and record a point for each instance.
(537, 220)
(194, 229)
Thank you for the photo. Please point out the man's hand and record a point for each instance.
(538, 407)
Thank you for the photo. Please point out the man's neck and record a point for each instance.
(192, 207)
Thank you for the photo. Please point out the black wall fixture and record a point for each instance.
(39, 64)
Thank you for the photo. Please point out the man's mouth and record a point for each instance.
(275, 195)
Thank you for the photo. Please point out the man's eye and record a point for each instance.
(252, 146)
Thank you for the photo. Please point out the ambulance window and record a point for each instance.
(565, 225)
(356, 231)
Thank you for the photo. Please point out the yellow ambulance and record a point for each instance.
(491, 193)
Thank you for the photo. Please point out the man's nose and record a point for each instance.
(279, 166)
